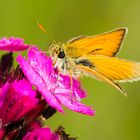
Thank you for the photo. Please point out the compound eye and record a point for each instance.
(61, 54)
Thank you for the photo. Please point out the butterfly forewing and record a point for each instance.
(106, 44)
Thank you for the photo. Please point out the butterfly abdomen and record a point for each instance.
(84, 62)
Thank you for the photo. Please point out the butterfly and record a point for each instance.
(96, 56)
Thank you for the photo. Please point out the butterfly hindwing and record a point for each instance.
(109, 69)
(115, 69)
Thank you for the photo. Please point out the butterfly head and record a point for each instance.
(56, 50)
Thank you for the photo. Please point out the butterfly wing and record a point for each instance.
(109, 69)
(106, 44)
(98, 75)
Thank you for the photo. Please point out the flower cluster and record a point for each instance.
(32, 91)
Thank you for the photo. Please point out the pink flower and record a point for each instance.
(2, 133)
(16, 100)
(33, 125)
(41, 134)
(54, 88)
(13, 44)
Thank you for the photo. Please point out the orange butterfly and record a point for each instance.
(95, 56)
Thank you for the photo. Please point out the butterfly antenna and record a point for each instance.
(43, 30)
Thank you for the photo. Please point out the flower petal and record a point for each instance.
(2, 133)
(76, 87)
(41, 134)
(36, 79)
(18, 100)
(74, 105)
(13, 44)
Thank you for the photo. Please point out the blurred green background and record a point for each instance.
(117, 117)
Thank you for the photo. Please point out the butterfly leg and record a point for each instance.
(71, 86)
(54, 62)
(71, 81)
(59, 72)
(78, 75)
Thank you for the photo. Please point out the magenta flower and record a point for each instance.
(33, 125)
(32, 92)
(13, 44)
(16, 100)
(41, 134)
(55, 89)
(2, 133)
